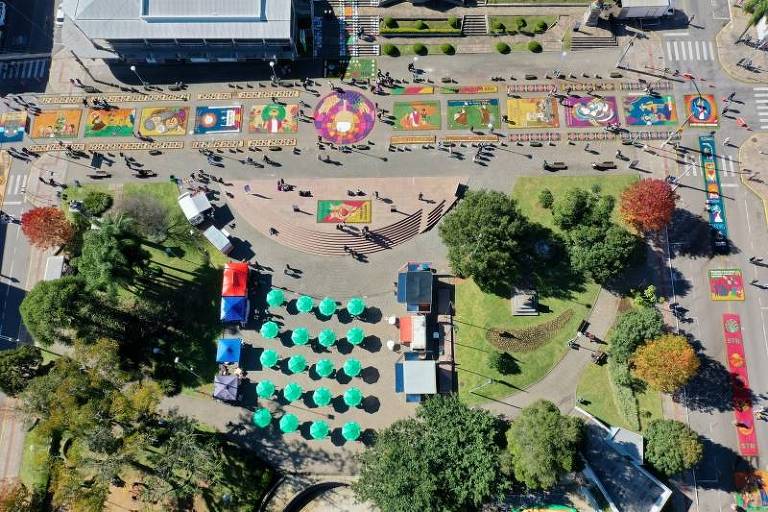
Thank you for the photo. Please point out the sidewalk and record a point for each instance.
(730, 53)
(752, 159)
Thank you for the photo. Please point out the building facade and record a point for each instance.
(169, 31)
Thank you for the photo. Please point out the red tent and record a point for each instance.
(235, 280)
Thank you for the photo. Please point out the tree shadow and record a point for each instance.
(552, 274)
(689, 235)
(710, 390)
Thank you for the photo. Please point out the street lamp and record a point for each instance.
(144, 83)
(190, 368)
(274, 73)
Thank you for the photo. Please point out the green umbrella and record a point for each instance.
(327, 306)
(350, 431)
(275, 297)
(265, 389)
(322, 396)
(326, 338)
(305, 304)
(300, 336)
(292, 392)
(297, 363)
(269, 358)
(262, 417)
(352, 367)
(269, 330)
(324, 367)
(355, 306)
(318, 429)
(289, 423)
(355, 335)
(353, 397)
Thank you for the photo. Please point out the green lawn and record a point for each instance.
(34, 462)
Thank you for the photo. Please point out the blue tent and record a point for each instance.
(228, 350)
(234, 309)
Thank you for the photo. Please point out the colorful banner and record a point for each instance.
(752, 490)
(12, 126)
(469, 89)
(650, 110)
(715, 203)
(702, 110)
(56, 124)
(116, 122)
(357, 68)
(218, 119)
(273, 118)
(742, 396)
(163, 121)
(471, 114)
(345, 117)
(416, 115)
(726, 285)
(348, 211)
(539, 112)
(590, 112)
(410, 90)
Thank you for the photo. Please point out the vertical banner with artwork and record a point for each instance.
(467, 114)
(715, 203)
(701, 109)
(591, 112)
(416, 115)
(12, 126)
(650, 110)
(539, 112)
(218, 119)
(726, 284)
(274, 118)
(57, 124)
(349, 211)
(163, 121)
(742, 395)
(116, 122)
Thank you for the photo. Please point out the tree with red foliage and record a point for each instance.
(46, 227)
(647, 205)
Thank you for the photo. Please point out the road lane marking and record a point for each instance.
(690, 49)
(674, 46)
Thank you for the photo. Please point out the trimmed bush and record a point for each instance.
(420, 25)
(530, 338)
(540, 27)
(546, 198)
(520, 23)
(390, 22)
(391, 50)
(534, 46)
(453, 21)
(502, 47)
(95, 203)
(447, 49)
(419, 49)
(503, 363)
(498, 26)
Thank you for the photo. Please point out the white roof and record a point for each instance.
(218, 239)
(194, 204)
(181, 19)
(420, 377)
(645, 3)
(418, 332)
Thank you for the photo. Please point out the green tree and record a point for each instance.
(543, 445)
(503, 362)
(445, 459)
(578, 207)
(18, 367)
(672, 447)
(546, 199)
(757, 9)
(110, 255)
(487, 239)
(633, 329)
(602, 253)
(96, 203)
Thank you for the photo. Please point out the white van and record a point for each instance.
(218, 238)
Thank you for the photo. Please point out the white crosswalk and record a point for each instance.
(760, 95)
(17, 184)
(727, 166)
(687, 50)
(23, 69)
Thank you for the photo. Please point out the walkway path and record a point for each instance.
(559, 385)
(752, 161)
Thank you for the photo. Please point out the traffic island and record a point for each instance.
(731, 54)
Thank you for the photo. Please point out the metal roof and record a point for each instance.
(645, 3)
(181, 19)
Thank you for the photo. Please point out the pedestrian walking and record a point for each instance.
(726, 141)
(586, 146)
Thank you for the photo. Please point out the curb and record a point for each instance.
(726, 68)
(764, 200)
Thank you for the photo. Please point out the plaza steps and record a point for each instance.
(431, 217)
(585, 43)
(474, 25)
(369, 23)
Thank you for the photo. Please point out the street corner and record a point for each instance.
(740, 61)
(752, 156)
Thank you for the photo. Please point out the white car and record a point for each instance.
(59, 16)
(2, 14)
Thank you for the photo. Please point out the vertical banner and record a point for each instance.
(742, 395)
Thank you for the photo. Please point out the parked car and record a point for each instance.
(554, 166)
(59, 16)
(603, 166)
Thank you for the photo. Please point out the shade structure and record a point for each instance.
(234, 309)
(265, 388)
(350, 431)
(269, 330)
(327, 306)
(355, 306)
(324, 367)
(322, 396)
(269, 358)
(275, 298)
(262, 417)
(297, 363)
(353, 397)
(289, 423)
(228, 350)
(355, 335)
(235, 280)
(226, 387)
(326, 338)
(352, 367)
(305, 304)
(300, 336)
(292, 391)
(319, 429)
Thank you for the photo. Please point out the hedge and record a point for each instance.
(419, 49)
(390, 22)
(534, 46)
(453, 21)
(502, 47)
(540, 27)
(530, 338)
(412, 30)
(391, 50)
(626, 401)
(447, 49)
(420, 25)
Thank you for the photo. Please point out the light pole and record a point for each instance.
(144, 83)
(413, 71)
(274, 73)
(190, 368)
